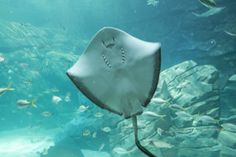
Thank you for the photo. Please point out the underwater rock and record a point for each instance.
(146, 130)
(227, 152)
(202, 107)
(231, 84)
(188, 95)
(228, 119)
(201, 152)
(188, 83)
(26, 142)
(227, 138)
(192, 133)
(213, 151)
(169, 74)
(198, 143)
(228, 98)
(91, 153)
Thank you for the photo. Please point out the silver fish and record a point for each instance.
(8, 88)
(208, 3)
(26, 103)
(230, 33)
(122, 151)
(153, 114)
(210, 12)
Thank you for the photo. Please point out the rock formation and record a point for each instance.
(192, 121)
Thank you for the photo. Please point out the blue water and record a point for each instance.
(41, 39)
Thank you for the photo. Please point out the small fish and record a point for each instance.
(86, 133)
(153, 114)
(67, 97)
(24, 65)
(56, 99)
(229, 127)
(210, 12)
(27, 82)
(158, 100)
(177, 107)
(230, 33)
(29, 113)
(141, 124)
(94, 135)
(183, 114)
(122, 151)
(10, 71)
(26, 103)
(183, 84)
(98, 115)
(101, 147)
(146, 142)
(1, 58)
(82, 108)
(46, 114)
(205, 120)
(153, 2)
(161, 144)
(208, 3)
(8, 88)
(160, 131)
(194, 123)
(106, 129)
(52, 90)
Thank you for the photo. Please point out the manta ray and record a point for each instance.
(119, 73)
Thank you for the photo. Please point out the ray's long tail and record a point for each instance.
(140, 147)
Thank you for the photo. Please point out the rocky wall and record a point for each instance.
(188, 116)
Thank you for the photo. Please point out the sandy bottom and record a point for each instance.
(40, 143)
(25, 143)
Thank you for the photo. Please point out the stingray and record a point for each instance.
(119, 73)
